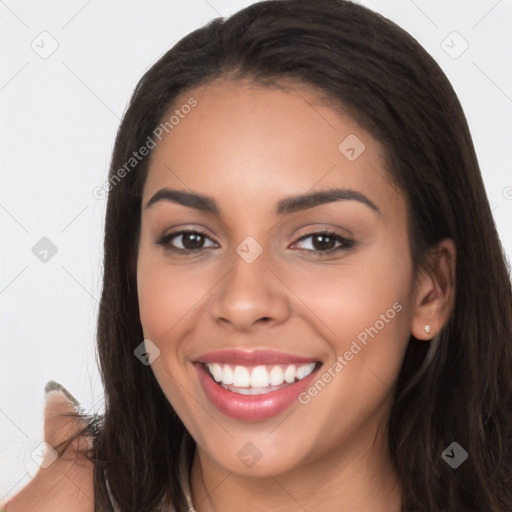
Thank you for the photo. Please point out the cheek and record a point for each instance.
(346, 299)
(171, 297)
(363, 312)
(165, 298)
(362, 309)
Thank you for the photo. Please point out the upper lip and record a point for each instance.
(253, 357)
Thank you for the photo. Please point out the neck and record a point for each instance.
(354, 478)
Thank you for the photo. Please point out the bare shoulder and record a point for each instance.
(67, 483)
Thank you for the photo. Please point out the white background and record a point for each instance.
(59, 117)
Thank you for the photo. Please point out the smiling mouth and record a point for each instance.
(260, 379)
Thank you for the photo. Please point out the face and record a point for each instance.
(274, 276)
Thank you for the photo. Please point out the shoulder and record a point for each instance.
(67, 482)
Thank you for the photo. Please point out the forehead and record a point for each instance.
(246, 143)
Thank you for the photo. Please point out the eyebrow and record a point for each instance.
(285, 206)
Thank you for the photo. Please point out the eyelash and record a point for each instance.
(346, 243)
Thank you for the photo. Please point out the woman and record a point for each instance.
(305, 302)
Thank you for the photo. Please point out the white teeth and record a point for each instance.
(300, 372)
(309, 369)
(216, 370)
(227, 375)
(276, 376)
(259, 377)
(289, 373)
(241, 377)
(304, 371)
(265, 378)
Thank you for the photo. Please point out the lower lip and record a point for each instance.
(251, 407)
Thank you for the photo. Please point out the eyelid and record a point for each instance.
(344, 243)
(165, 240)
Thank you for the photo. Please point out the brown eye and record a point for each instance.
(185, 241)
(192, 240)
(326, 242)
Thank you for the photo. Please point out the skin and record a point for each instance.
(248, 147)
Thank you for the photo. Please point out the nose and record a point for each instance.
(250, 296)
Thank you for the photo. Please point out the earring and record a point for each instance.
(427, 328)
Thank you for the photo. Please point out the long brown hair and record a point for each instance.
(457, 387)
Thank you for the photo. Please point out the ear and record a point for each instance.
(435, 291)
